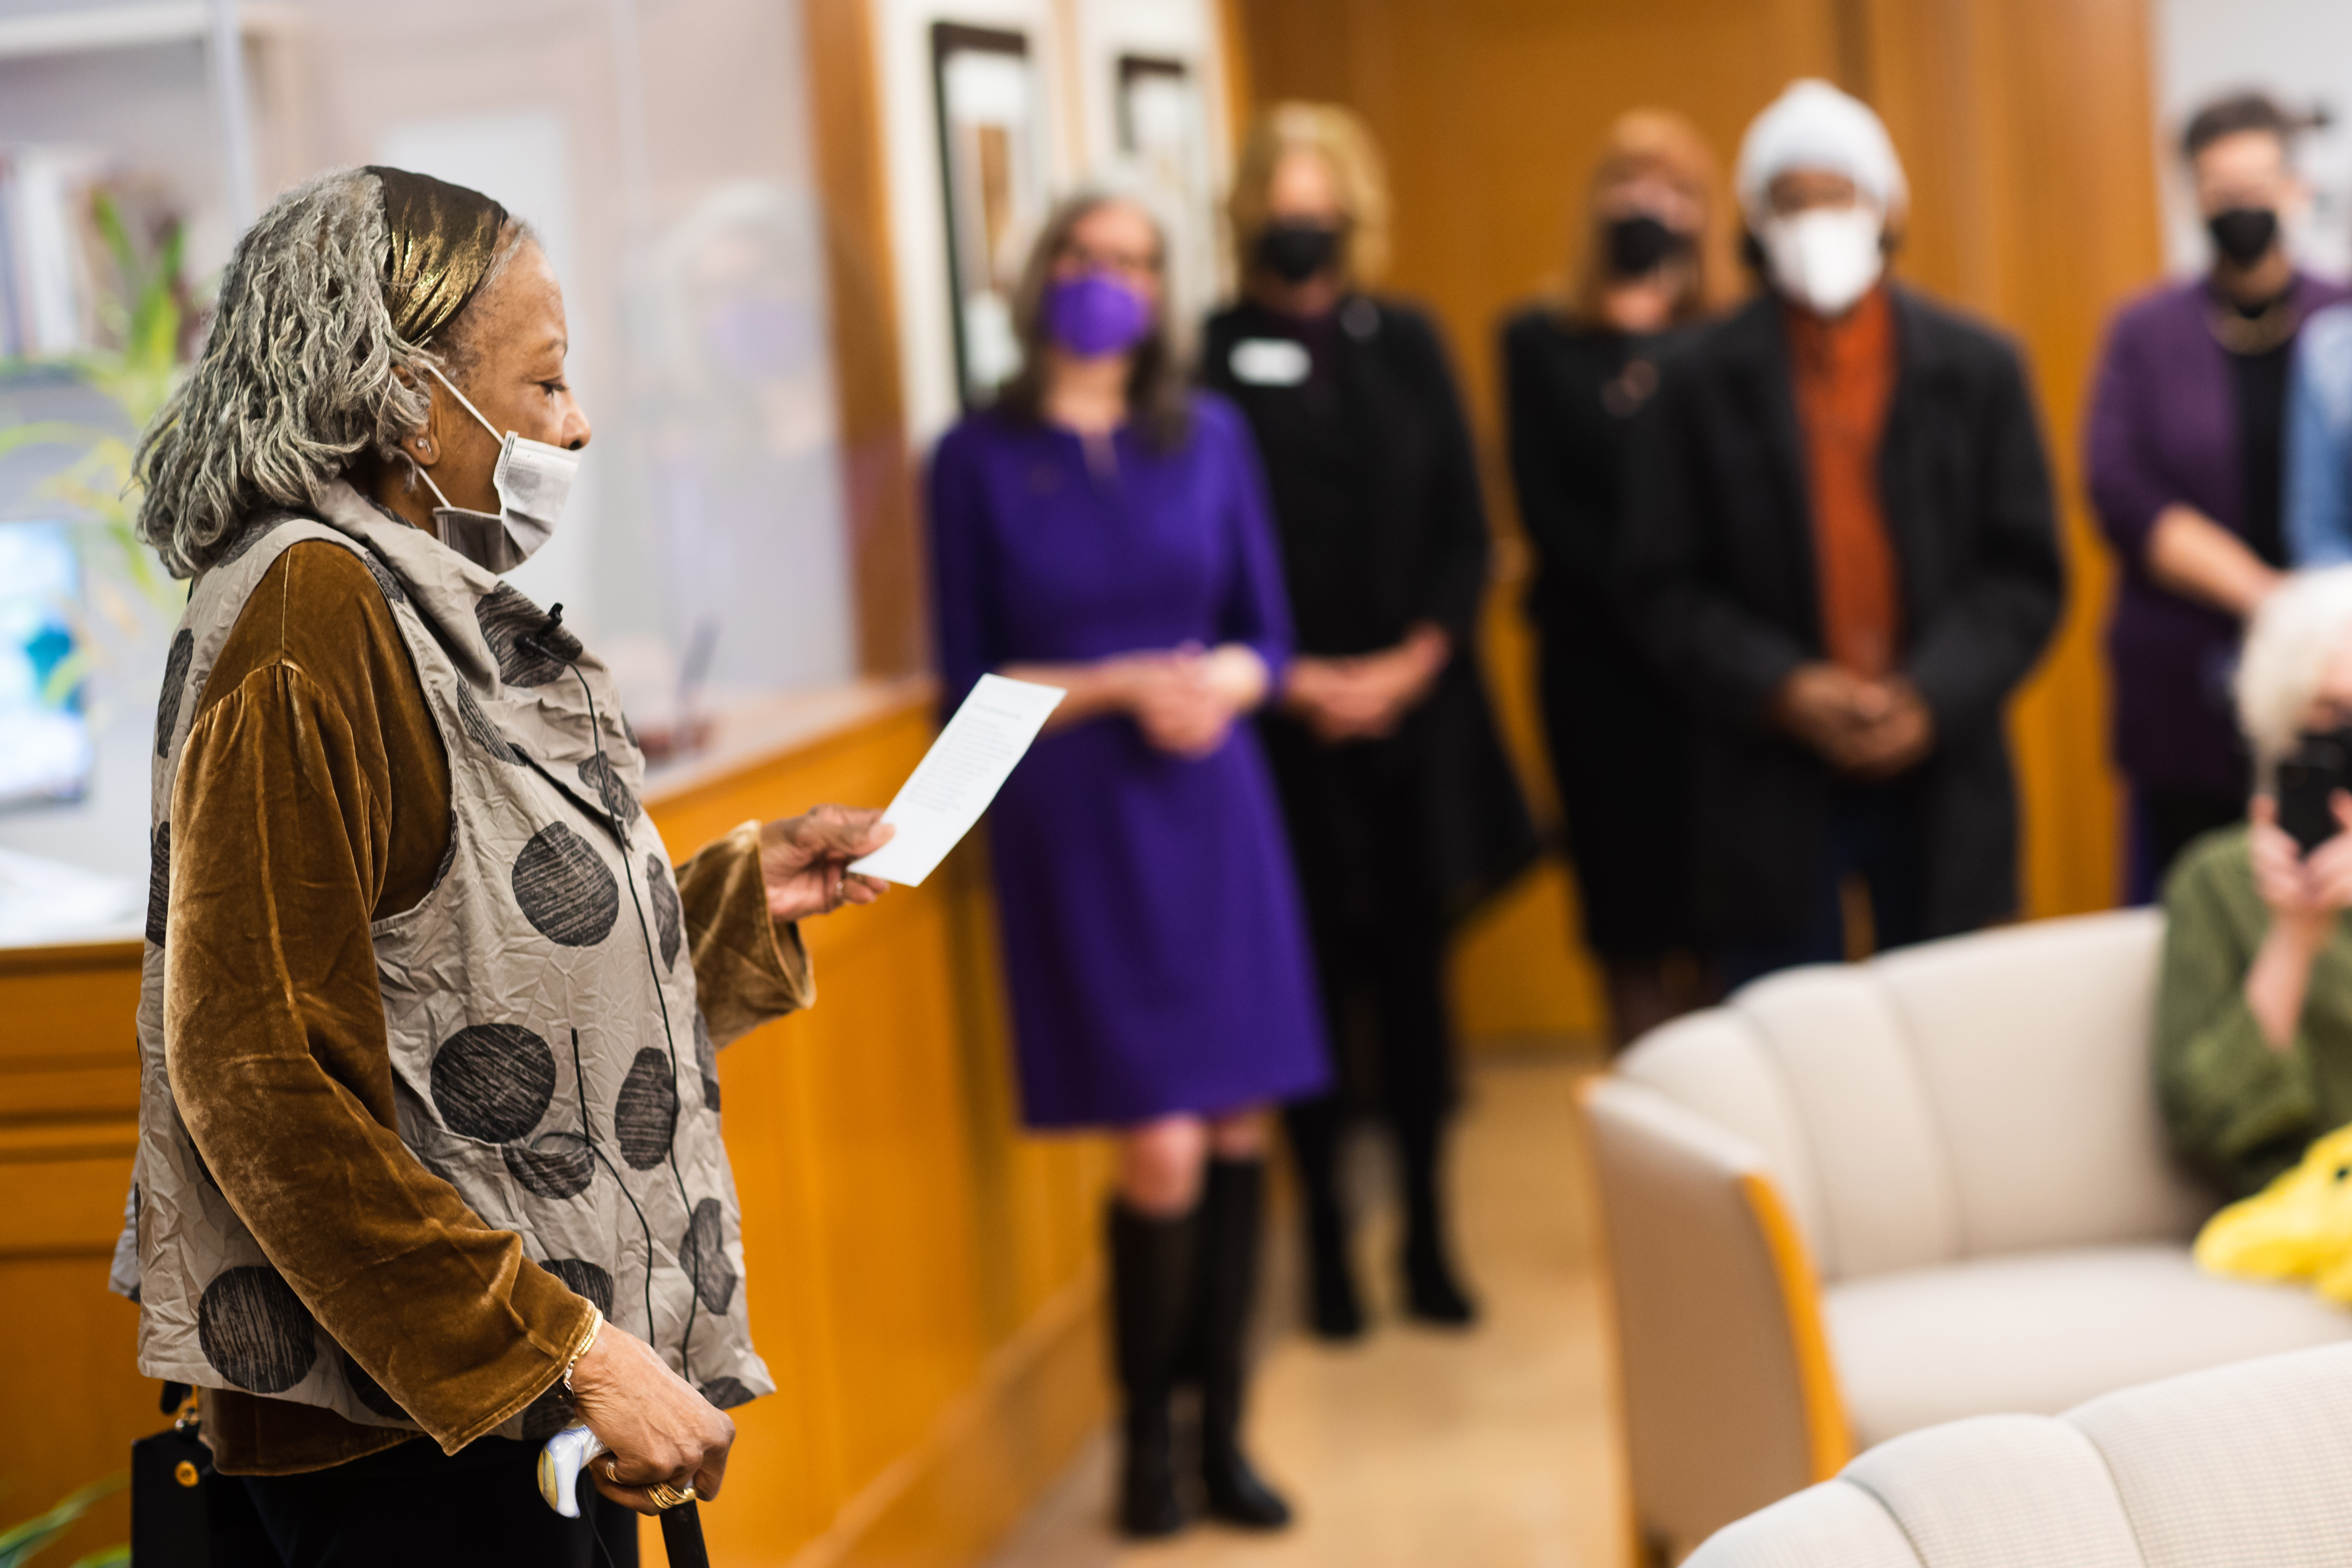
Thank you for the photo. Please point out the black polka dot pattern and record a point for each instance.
(366, 1389)
(254, 1331)
(583, 1279)
(706, 1057)
(387, 582)
(528, 654)
(554, 1164)
(481, 730)
(175, 687)
(644, 1114)
(670, 919)
(567, 894)
(703, 1255)
(598, 774)
(159, 882)
(493, 1081)
(726, 1393)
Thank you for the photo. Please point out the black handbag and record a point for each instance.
(180, 1510)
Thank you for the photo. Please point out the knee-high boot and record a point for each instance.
(1433, 1290)
(1233, 1219)
(1154, 1288)
(1314, 1127)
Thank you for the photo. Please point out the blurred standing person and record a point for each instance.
(1101, 530)
(2185, 458)
(1402, 808)
(1840, 546)
(1577, 369)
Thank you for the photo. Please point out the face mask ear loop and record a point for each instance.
(496, 434)
(423, 474)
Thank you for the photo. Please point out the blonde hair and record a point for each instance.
(1336, 136)
(1655, 142)
(2293, 636)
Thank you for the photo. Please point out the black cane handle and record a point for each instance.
(682, 1536)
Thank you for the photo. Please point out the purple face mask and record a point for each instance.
(1095, 314)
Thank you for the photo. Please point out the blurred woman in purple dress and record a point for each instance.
(1101, 530)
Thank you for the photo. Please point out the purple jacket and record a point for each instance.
(2163, 428)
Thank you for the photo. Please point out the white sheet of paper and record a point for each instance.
(959, 776)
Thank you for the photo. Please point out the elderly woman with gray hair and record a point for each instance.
(2255, 1012)
(429, 1132)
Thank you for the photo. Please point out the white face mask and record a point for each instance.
(1827, 258)
(533, 480)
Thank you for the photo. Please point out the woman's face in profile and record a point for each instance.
(516, 378)
(1118, 238)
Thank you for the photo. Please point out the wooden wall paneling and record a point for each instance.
(70, 1398)
(2027, 128)
(877, 474)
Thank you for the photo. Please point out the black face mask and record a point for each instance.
(1295, 252)
(1640, 245)
(2243, 234)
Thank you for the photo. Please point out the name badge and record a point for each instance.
(1269, 362)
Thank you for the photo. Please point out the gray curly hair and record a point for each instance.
(301, 373)
(2289, 643)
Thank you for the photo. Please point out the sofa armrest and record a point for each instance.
(1730, 1398)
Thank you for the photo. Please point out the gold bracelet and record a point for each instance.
(595, 1326)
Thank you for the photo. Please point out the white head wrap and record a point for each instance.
(1813, 125)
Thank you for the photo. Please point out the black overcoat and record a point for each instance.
(1619, 735)
(1720, 578)
(1376, 497)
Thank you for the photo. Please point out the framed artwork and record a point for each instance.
(994, 174)
(1163, 136)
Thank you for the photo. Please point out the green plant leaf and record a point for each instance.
(17, 1546)
(106, 1557)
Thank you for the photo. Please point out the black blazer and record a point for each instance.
(1719, 577)
(1375, 499)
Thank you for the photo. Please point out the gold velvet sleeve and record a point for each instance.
(275, 1039)
(747, 968)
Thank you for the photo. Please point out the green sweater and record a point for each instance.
(2238, 1111)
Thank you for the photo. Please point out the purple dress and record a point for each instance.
(1153, 929)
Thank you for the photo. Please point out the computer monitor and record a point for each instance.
(45, 753)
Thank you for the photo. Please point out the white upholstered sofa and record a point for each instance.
(2237, 1467)
(1856, 1201)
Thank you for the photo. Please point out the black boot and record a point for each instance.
(1153, 1289)
(1433, 1293)
(1333, 1308)
(1233, 1220)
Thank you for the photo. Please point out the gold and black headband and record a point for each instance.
(444, 238)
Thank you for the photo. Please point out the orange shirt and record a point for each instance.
(1844, 376)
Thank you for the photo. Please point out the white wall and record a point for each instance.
(2298, 50)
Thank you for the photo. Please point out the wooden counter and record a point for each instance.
(923, 1278)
